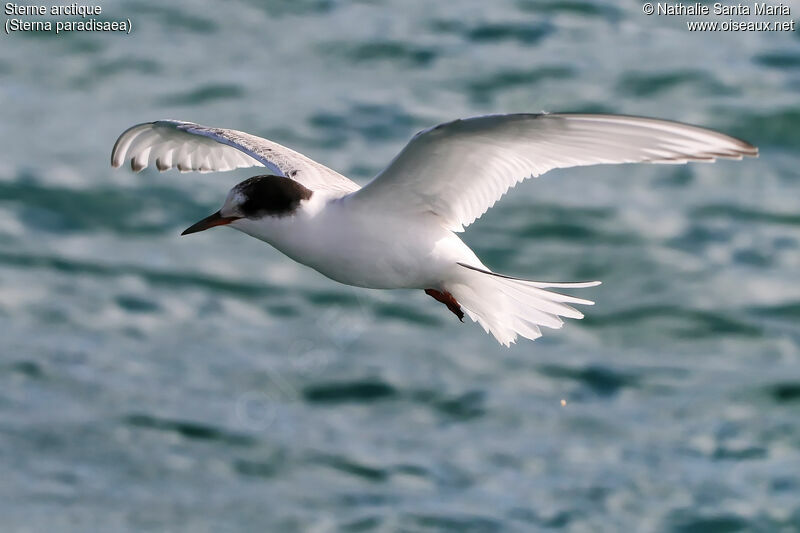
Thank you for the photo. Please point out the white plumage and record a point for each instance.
(187, 146)
(460, 169)
(398, 230)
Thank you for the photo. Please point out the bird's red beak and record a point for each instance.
(209, 222)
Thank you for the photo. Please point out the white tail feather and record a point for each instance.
(509, 307)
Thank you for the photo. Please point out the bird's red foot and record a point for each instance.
(447, 299)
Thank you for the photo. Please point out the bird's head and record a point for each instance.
(256, 198)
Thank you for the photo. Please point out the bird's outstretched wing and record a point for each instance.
(459, 169)
(188, 146)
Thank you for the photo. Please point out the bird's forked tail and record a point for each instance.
(507, 306)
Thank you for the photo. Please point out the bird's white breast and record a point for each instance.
(362, 248)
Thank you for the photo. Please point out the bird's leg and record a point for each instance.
(447, 299)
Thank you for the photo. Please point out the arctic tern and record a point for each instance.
(400, 229)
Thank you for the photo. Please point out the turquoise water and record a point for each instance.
(155, 383)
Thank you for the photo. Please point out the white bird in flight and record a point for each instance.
(400, 229)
